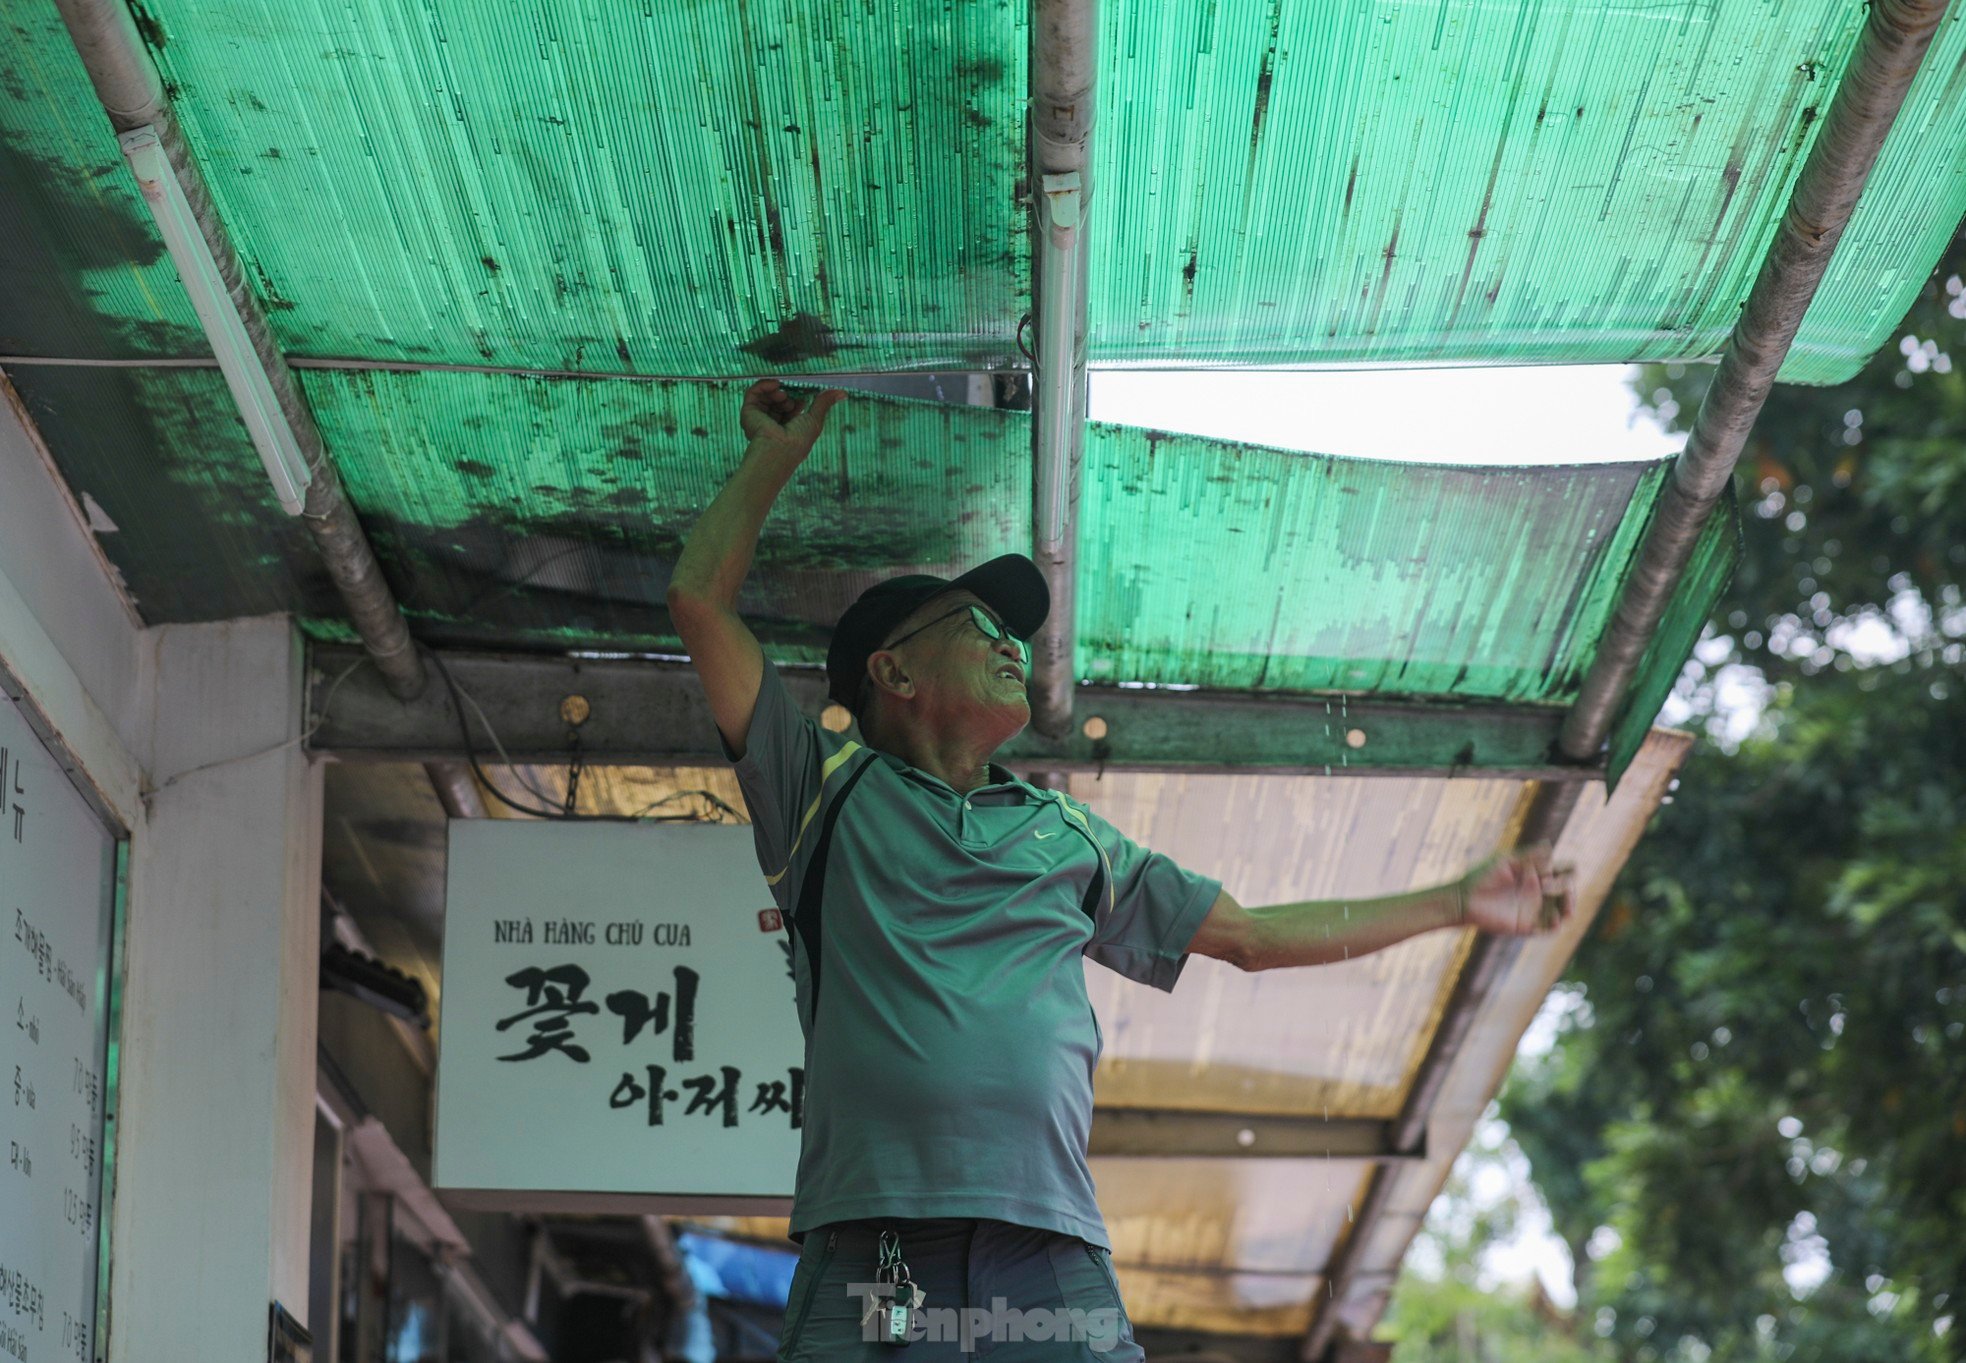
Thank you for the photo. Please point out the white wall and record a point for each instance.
(66, 631)
(220, 1001)
(191, 734)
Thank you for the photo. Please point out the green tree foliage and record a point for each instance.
(1853, 498)
(1449, 1308)
(1752, 1131)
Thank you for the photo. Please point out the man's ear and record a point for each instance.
(889, 675)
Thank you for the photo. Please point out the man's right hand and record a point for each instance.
(703, 588)
(774, 418)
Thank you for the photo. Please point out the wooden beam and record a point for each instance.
(1173, 1133)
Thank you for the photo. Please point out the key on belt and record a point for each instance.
(894, 1299)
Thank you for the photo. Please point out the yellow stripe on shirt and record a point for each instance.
(1106, 865)
(832, 765)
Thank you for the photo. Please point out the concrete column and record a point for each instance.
(216, 1129)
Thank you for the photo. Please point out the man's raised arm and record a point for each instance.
(1511, 894)
(717, 555)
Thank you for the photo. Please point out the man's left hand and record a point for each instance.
(1517, 894)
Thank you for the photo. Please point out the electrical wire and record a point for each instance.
(709, 797)
(458, 702)
(312, 729)
(461, 699)
(457, 692)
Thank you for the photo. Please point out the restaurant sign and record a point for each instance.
(617, 1027)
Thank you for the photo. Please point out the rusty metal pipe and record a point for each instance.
(1064, 47)
(126, 80)
(457, 789)
(132, 94)
(1895, 35)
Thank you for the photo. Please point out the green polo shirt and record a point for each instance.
(950, 1050)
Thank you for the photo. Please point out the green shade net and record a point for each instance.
(547, 513)
(653, 188)
(1522, 181)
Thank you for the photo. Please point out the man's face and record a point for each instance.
(961, 676)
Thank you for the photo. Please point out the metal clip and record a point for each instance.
(1064, 200)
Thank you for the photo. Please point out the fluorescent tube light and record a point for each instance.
(1059, 402)
(271, 434)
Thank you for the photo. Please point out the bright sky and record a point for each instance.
(1557, 414)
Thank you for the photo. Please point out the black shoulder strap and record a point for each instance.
(1090, 905)
(809, 909)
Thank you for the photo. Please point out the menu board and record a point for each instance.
(57, 909)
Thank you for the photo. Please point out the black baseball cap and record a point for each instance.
(1011, 586)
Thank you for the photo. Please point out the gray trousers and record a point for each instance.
(1012, 1294)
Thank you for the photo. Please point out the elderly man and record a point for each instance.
(941, 909)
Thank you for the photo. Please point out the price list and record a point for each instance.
(57, 897)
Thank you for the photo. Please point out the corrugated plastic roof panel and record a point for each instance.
(645, 188)
(547, 513)
(726, 189)
(551, 511)
(1344, 1039)
(1241, 1245)
(1236, 566)
(1515, 181)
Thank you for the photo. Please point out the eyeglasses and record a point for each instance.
(984, 621)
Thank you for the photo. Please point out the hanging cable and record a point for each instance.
(465, 704)
(319, 719)
(573, 772)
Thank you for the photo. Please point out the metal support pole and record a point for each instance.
(646, 713)
(1064, 46)
(678, 1290)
